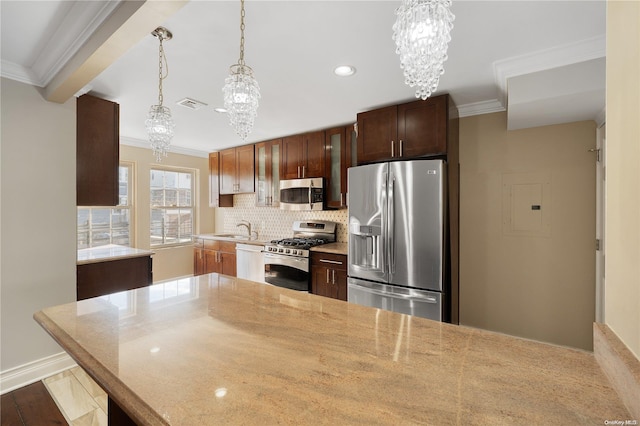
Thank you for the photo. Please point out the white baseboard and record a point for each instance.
(31, 372)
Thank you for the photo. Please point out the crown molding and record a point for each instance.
(139, 143)
(479, 108)
(17, 72)
(541, 60)
(72, 33)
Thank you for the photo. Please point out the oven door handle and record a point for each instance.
(301, 263)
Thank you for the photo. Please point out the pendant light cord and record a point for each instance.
(161, 58)
(241, 60)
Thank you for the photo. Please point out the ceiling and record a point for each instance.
(542, 61)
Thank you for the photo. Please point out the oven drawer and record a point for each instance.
(329, 260)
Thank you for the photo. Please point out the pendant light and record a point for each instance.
(159, 122)
(422, 34)
(241, 91)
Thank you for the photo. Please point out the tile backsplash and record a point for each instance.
(273, 223)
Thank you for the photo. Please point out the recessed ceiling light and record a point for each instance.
(344, 70)
(220, 110)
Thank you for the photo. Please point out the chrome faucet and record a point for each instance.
(247, 225)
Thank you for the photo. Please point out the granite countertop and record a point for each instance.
(334, 248)
(220, 350)
(109, 252)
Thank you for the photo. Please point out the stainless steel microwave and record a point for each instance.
(302, 194)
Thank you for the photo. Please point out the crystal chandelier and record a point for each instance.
(159, 123)
(241, 91)
(422, 33)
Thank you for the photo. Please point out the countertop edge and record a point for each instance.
(137, 409)
(117, 257)
(235, 240)
(332, 248)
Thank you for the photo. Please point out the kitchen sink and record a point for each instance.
(233, 236)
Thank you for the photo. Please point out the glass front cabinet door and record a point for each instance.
(338, 148)
(268, 173)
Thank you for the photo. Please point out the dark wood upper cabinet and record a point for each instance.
(292, 156)
(410, 130)
(246, 163)
(303, 156)
(215, 199)
(237, 170)
(97, 151)
(314, 165)
(268, 171)
(422, 127)
(377, 131)
(338, 160)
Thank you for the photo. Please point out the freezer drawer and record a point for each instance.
(420, 303)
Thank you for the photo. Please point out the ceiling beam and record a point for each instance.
(126, 27)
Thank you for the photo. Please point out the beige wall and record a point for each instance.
(38, 219)
(539, 286)
(176, 261)
(622, 238)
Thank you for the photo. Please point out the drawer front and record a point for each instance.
(228, 246)
(212, 244)
(329, 260)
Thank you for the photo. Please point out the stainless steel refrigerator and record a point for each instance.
(397, 237)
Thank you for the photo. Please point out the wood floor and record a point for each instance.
(31, 405)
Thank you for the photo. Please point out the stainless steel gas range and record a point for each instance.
(286, 261)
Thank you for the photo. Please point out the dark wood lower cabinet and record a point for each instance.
(117, 416)
(329, 275)
(100, 278)
(211, 256)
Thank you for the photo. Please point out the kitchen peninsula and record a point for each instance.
(112, 268)
(215, 349)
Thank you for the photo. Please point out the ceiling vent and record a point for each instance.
(191, 103)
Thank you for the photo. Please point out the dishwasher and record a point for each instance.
(250, 262)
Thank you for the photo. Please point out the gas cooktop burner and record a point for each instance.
(301, 243)
(305, 235)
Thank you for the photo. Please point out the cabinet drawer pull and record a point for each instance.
(335, 262)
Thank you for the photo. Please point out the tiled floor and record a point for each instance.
(81, 400)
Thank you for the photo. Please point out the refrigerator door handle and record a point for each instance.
(385, 227)
(391, 224)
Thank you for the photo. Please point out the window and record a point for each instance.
(98, 226)
(172, 206)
